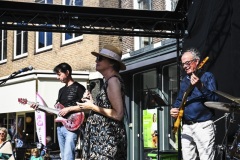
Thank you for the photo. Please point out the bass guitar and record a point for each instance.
(71, 121)
(185, 95)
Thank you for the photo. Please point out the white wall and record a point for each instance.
(47, 85)
(9, 96)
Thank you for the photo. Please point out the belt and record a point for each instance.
(189, 122)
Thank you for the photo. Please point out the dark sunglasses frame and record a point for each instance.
(99, 58)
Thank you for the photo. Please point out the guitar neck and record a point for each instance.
(198, 73)
(44, 108)
(187, 92)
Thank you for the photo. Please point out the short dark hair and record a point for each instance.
(63, 67)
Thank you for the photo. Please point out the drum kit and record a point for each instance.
(232, 152)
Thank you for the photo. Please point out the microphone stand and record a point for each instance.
(11, 76)
(226, 137)
(225, 115)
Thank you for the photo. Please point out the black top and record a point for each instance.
(69, 95)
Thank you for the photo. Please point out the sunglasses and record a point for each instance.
(99, 58)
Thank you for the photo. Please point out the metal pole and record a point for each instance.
(178, 86)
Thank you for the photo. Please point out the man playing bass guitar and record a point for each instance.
(197, 141)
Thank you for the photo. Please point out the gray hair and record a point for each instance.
(196, 54)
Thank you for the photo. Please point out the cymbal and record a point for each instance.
(228, 96)
(226, 107)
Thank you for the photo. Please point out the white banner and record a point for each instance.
(40, 119)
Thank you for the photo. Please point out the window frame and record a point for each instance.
(74, 37)
(3, 43)
(139, 42)
(45, 47)
(22, 53)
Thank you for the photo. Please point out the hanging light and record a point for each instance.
(28, 119)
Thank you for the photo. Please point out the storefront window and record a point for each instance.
(7, 120)
(145, 114)
(170, 88)
(153, 93)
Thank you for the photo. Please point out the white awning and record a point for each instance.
(26, 86)
(9, 96)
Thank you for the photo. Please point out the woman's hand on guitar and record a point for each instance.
(174, 112)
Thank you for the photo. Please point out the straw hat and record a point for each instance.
(111, 52)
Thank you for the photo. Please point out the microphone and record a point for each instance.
(29, 68)
(91, 86)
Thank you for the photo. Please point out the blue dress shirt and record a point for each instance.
(195, 110)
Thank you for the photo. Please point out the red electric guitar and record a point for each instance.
(72, 121)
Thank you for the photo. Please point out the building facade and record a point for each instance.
(151, 66)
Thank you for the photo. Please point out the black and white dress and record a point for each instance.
(105, 138)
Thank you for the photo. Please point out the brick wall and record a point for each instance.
(127, 41)
(109, 39)
(77, 54)
(158, 5)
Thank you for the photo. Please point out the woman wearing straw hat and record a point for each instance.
(105, 135)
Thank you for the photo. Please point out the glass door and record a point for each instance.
(170, 89)
(145, 123)
(153, 93)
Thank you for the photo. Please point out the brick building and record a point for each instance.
(44, 50)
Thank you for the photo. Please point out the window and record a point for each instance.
(153, 91)
(73, 2)
(44, 1)
(145, 4)
(169, 90)
(141, 42)
(43, 39)
(71, 37)
(20, 44)
(142, 119)
(171, 5)
(3, 45)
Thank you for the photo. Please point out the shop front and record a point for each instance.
(151, 83)
(19, 118)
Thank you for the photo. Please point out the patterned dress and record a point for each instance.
(105, 138)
